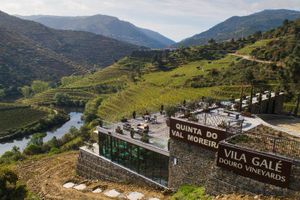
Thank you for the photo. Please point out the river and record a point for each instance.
(75, 120)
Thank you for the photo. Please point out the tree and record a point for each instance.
(170, 111)
(39, 86)
(145, 137)
(53, 143)
(37, 139)
(61, 99)
(161, 109)
(241, 99)
(26, 91)
(184, 103)
(74, 132)
(134, 114)
(11, 156)
(132, 132)
(297, 105)
(248, 78)
(2, 93)
(33, 149)
(285, 22)
(257, 35)
(69, 79)
(211, 41)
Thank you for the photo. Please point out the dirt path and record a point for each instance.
(251, 58)
(46, 176)
(287, 124)
(247, 197)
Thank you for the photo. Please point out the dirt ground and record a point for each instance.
(46, 176)
(247, 197)
(289, 124)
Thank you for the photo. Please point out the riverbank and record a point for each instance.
(51, 118)
(57, 132)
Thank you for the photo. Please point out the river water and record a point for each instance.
(75, 120)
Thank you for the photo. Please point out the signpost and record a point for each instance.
(196, 134)
(262, 167)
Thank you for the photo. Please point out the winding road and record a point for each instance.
(251, 58)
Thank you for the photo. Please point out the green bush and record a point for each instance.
(188, 192)
(33, 149)
(74, 144)
(11, 156)
(62, 99)
(10, 188)
(54, 150)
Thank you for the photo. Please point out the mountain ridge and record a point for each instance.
(105, 25)
(31, 51)
(242, 26)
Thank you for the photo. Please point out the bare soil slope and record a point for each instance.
(46, 176)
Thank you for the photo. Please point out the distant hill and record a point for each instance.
(107, 26)
(237, 27)
(22, 60)
(30, 50)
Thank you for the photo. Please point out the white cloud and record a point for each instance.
(174, 18)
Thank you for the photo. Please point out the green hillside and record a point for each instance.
(31, 51)
(127, 92)
(167, 88)
(148, 79)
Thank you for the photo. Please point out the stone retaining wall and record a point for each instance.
(222, 181)
(193, 166)
(95, 167)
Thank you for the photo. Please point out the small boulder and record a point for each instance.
(80, 187)
(112, 193)
(135, 196)
(97, 190)
(69, 185)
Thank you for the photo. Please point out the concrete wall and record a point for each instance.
(194, 164)
(94, 167)
(222, 181)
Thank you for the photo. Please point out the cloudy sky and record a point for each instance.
(176, 19)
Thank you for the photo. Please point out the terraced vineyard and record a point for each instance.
(248, 49)
(14, 117)
(148, 93)
(167, 88)
(102, 82)
(8, 106)
(47, 97)
(124, 91)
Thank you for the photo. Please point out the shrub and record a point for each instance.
(73, 144)
(11, 156)
(9, 185)
(171, 110)
(33, 149)
(54, 150)
(62, 99)
(188, 192)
